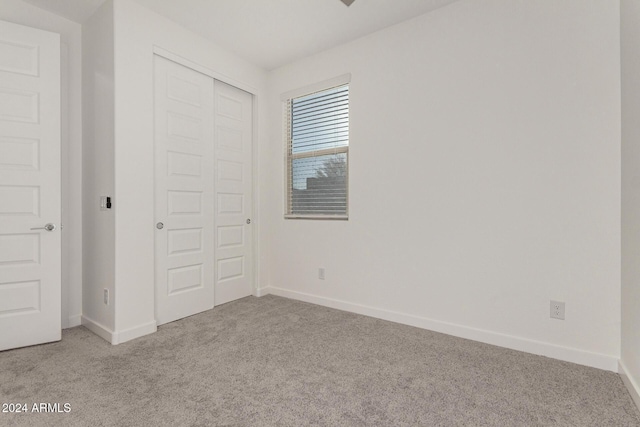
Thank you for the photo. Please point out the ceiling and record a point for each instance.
(269, 33)
(75, 10)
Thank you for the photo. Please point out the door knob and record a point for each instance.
(248, 221)
(49, 227)
(159, 226)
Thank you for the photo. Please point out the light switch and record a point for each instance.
(105, 203)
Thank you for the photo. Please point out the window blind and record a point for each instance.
(317, 154)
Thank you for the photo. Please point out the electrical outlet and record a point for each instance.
(557, 310)
(106, 296)
(321, 273)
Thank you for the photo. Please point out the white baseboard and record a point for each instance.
(260, 292)
(98, 329)
(132, 333)
(118, 337)
(75, 320)
(631, 384)
(567, 354)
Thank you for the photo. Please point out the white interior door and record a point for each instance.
(233, 166)
(30, 269)
(184, 207)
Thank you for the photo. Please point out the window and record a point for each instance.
(318, 154)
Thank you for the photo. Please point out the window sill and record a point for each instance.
(329, 217)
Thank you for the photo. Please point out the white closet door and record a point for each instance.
(30, 270)
(233, 133)
(184, 177)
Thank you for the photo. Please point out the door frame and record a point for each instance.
(166, 54)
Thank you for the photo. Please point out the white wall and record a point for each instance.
(484, 178)
(630, 34)
(137, 31)
(99, 170)
(19, 12)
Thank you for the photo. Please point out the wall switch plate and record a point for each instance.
(321, 273)
(557, 310)
(106, 296)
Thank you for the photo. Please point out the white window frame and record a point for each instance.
(289, 157)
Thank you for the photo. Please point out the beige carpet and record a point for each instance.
(276, 362)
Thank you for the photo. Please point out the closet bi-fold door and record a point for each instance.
(184, 191)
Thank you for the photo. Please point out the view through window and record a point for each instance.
(317, 154)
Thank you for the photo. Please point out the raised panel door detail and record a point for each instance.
(231, 235)
(19, 298)
(230, 268)
(229, 139)
(19, 249)
(19, 106)
(183, 91)
(184, 145)
(19, 200)
(184, 127)
(229, 171)
(182, 164)
(184, 241)
(230, 204)
(184, 202)
(30, 182)
(183, 279)
(19, 58)
(233, 207)
(19, 154)
(229, 107)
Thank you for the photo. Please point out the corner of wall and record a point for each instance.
(97, 160)
(630, 284)
(125, 335)
(632, 385)
(97, 328)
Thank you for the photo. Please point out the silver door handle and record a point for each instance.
(48, 227)
(159, 226)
